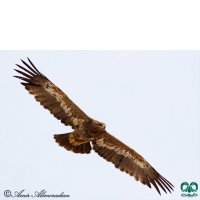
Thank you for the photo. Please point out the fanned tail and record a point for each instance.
(64, 140)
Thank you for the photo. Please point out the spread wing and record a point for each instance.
(129, 161)
(50, 96)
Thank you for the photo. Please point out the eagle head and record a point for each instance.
(98, 126)
(102, 125)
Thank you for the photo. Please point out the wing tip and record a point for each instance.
(22, 61)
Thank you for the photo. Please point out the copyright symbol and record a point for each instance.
(7, 193)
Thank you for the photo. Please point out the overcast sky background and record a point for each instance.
(148, 99)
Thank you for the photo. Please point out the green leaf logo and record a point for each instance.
(185, 187)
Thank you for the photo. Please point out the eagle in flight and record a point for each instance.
(88, 133)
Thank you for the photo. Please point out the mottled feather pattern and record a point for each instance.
(88, 130)
(50, 96)
(129, 161)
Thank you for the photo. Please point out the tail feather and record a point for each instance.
(63, 141)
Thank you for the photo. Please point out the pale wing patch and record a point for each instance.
(51, 97)
(142, 164)
(50, 88)
(75, 121)
(67, 110)
(127, 160)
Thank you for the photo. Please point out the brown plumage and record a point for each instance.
(88, 131)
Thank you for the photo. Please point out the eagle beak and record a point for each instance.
(104, 126)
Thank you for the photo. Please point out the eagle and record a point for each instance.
(87, 133)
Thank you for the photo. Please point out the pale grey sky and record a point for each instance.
(148, 99)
